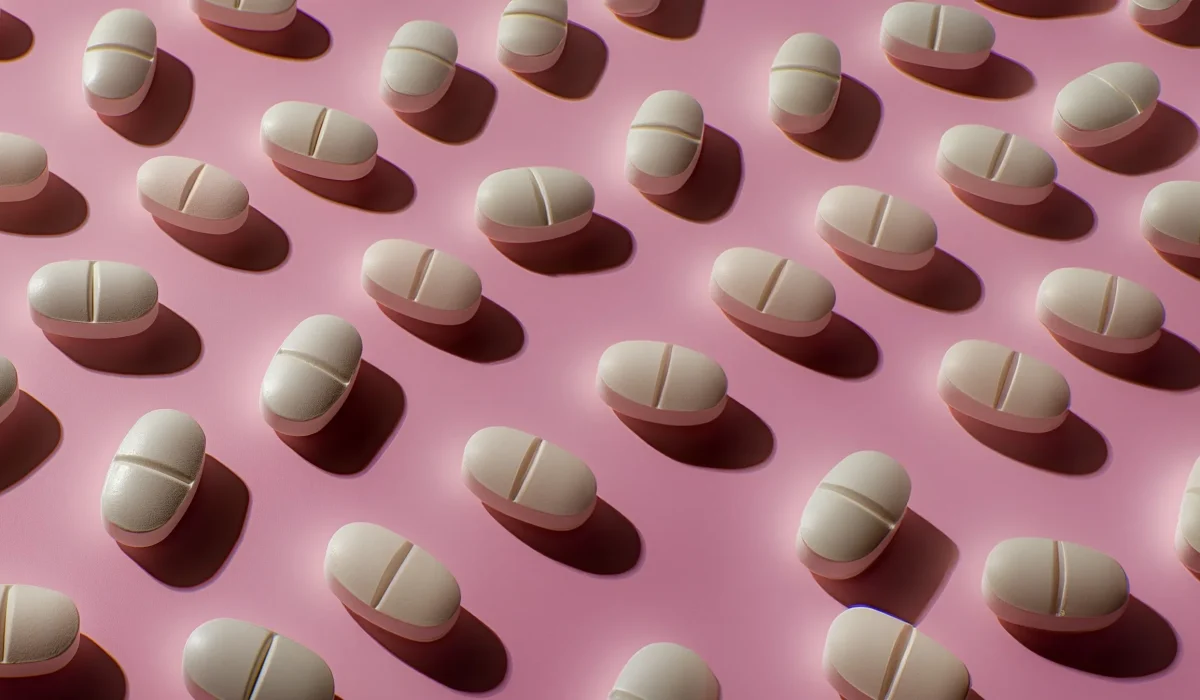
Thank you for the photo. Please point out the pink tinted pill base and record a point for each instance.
(240, 19)
(120, 107)
(7, 408)
(318, 168)
(412, 633)
(416, 311)
(649, 414)
(41, 668)
(990, 189)
(94, 331)
(529, 234)
(968, 406)
(292, 428)
(1103, 343)
(1077, 138)
(213, 227)
(1051, 624)
(907, 53)
(527, 515)
(763, 321)
(21, 193)
(841, 570)
(518, 63)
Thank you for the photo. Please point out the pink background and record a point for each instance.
(715, 568)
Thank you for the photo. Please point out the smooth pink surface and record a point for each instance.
(719, 572)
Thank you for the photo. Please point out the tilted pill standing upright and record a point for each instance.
(1171, 218)
(10, 389)
(664, 142)
(252, 15)
(421, 282)
(93, 299)
(771, 292)
(193, 195)
(311, 375)
(24, 168)
(530, 205)
(1106, 104)
(936, 36)
(995, 165)
(1005, 388)
(1150, 13)
(1100, 310)
(40, 629)
(665, 671)
(226, 659)
(531, 35)
(806, 78)
(316, 140)
(661, 383)
(119, 62)
(876, 228)
(1187, 530)
(418, 66)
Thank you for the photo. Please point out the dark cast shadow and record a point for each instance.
(1165, 139)
(713, 188)
(16, 38)
(169, 346)
(674, 19)
(58, 209)
(28, 437)
(162, 114)
(737, 439)
(1184, 31)
(1063, 216)
(577, 72)
(1051, 9)
(302, 40)
(600, 246)
(1075, 448)
(842, 350)
(852, 126)
(606, 545)
(1186, 265)
(259, 245)
(997, 78)
(93, 674)
(470, 659)
(385, 190)
(1172, 364)
(944, 284)
(492, 335)
(462, 113)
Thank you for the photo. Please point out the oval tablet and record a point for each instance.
(311, 375)
(119, 62)
(192, 194)
(24, 168)
(806, 77)
(1171, 218)
(153, 478)
(529, 205)
(996, 165)
(664, 141)
(318, 141)
(1150, 13)
(665, 671)
(661, 383)
(254, 15)
(1106, 104)
(226, 659)
(771, 292)
(852, 515)
(1054, 586)
(873, 656)
(1005, 388)
(631, 8)
(40, 629)
(92, 299)
(421, 282)
(418, 66)
(532, 35)
(528, 478)
(937, 36)
(10, 389)
(392, 583)
(1187, 531)
(876, 227)
(1100, 310)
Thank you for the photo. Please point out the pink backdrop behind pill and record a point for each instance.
(697, 544)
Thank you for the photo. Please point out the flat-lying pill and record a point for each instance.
(421, 282)
(40, 629)
(770, 292)
(936, 36)
(392, 583)
(253, 15)
(92, 299)
(1171, 218)
(806, 78)
(24, 168)
(226, 659)
(10, 388)
(1100, 310)
(1106, 104)
(661, 383)
(873, 656)
(631, 8)
(1187, 530)
(532, 35)
(418, 66)
(153, 478)
(311, 375)
(192, 194)
(665, 671)
(853, 514)
(528, 478)
(1054, 586)
(1150, 13)
(1002, 387)
(664, 142)
(119, 62)
(318, 141)
(529, 205)
(877, 228)
(996, 165)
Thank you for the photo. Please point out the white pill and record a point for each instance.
(532, 35)
(806, 78)
(1150, 13)
(665, 671)
(528, 205)
(318, 141)
(771, 292)
(40, 629)
(254, 15)
(228, 659)
(119, 62)
(661, 383)
(392, 583)
(1171, 218)
(631, 8)
(10, 389)
(937, 36)
(1106, 104)
(311, 375)
(996, 165)
(1187, 531)
(1005, 388)
(664, 141)
(92, 299)
(192, 194)
(24, 168)
(421, 282)
(1100, 310)
(876, 227)
(418, 66)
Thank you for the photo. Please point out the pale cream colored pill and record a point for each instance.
(392, 583)
(227, 659)
(998, 385)
(532, 35)
(771, 292)
(1171, 218)
(530, 205)
(311, 375)
(1100, 310)
(665, 671)
(937, 36)
(996, 165)
(664, 142)
(192, 194)
(631, 8)
(10, 389)
(876, 227)
(252, 15)
(806, 78)
(318, 141)
(1150, 13)
(421, 282)
(24, 168)
(418, 66)
(661, 383)
(1053, 585)
(1106, 104)
(93, 299)
(1187, 530)
(40, 630)
(119, 62)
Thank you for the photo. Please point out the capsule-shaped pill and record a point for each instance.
(532, 35)
(853, 514)
(392, 583)
(529, 205)
(153, 478)
(119, 62)
(996, 165)
(1005, 388)
(528, 478)
(420, 282)
(418, 66)
(873, 656)
(192, 194)
(227, 659)
(1100, 310)
(1151, 13)
(10, 388)
(311, 375)
(767, 291)
(24, 168)
(631, 8)
(806, 78)
(936, 36)
(40, 629)
(252, 15)
(664, 141)
(877, 228)
(318, 141)
(92, 299)
(1187, 530)
(1106, 104)
(1171, 218)
(661, 383)
(666, 671)
(1053, 585)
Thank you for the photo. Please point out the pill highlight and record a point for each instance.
(772, 293)
(631, 8)
(1005, 388)
(92, 299)
(936, 36)
(806, 79)
(996, 165)
(664, 142)
(119, 62)
(1100, 310)
(192, 194)
(530, 205)
(876, 228)
(420, 282)
(531, 35)
(1170, 218)
(318, 141)
(418, 66)
(24, 168)
(1187, 530)
(10, 388)
(227, 659)
(1106, 104)
(661, 383)
(40, 629)
(665, 671)
(311, 375)
(252, 15)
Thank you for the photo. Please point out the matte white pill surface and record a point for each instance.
(421, 282)
(119, 62)
(806, 78)
(937, 36)
(1100, 310)
(92, 299)
(311, 375)
(392, 583)
(661, 383)
(996, 165)
(771, 292)
(1171, 218)
(1187, 531)
(226, 659)
(10, 389)
(1053, 585)
(876, 227)
(192, 194)
(1149, 13)
(528, 205)
(318, 141)
(418, 66)
(40, 629)
(665, 671)
(631, 8)
(1106, 104)
(664, 141)
(532, 35)
(24, 168)
(998, 385)
(254, 15)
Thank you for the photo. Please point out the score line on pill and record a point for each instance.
(1106, 104)
(771, 293)
(92, 299)
(24, 168)
(805, 81)
(1100, 310)
(664, 142)
(311, 375)
(227, 659)
(251, 15)
(531, 205)
(418, 66)
(662, 383)
(936, 36)
(40, 630)
(119, 62)
(1002, 387)
(532, 35)
(192, 195)
(317, 140)
(876, 228)
(996, 165)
